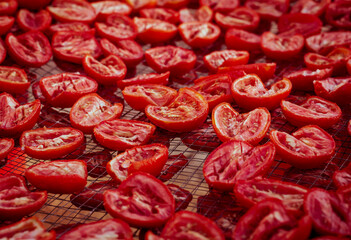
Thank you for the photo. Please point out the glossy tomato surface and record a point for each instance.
(13, 80)
(239, 18)
(147, 78)
(28, 21)
(6, 146)
(334, 89)
(225, 58)
(199, 34)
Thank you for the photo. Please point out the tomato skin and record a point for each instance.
(181, 196)
(6, 23)
(70, 174)
(314, 110)
(308, 147)
(239, 18)
(107, 71)
(72, 11)
(349, 127)
(47, 148)
(16, 200)
(148, 78)
(225, 58)
(122, 134)
(329, 214)
(138, 185)
(90, 110)
(192, 33)
(316, 8)
(8, 7)
(33, 5)
(173, 165)
(28, 21)
(74, 46)
(281, 47)
(160, 13)
(235, 160)
(172, 4)
(341, 178)
(31, 49)
(299, 23)
(103, 9)
(249, 92)
(6, 146)
(220, 5)
(64, 89)
(67, 27)
(324, 42)
(13, 80)
(334, 89)
(250, 192)
(187, 111)
(137, 5)
(338, 14)
(348, 66)
(269, 10)
(148, 28)
(224, 116)
(242, 40)
(139, 96)
(146, 158)
(100, 229)
(16, 118)
(201, 14)
(316, 61)
(176, 60)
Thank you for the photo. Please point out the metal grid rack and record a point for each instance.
(60, 214)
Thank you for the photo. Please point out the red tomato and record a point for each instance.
(303, 79)
(326, 41)
(31, 49)
(173, 165)
(177, 60)
(51, 143)
(117, 27)
(2, 51)
(140, 4)
(308, 147)
(242, 40)
(90, 110)
(230, 125)
(164, 14)
(147, 158)
(270, 10)
(329, 214)
(181, 196)
(67, 176)
(74, 46)
(190, 225)
(128, 50)
(348, 65)
(201, 14)
(148, 28)
(147, 78)
(6, 146)
(316, 8)
(144, 192)
(96, 162)
(8, 7)
(225, 58)
(187, 111)
(339, 56)
(64, 89)
(122, 134)
(349, 127)
(235, 160)
(220, 5)
(264, 70)
(28, 21)
(72, 11)
(33, 5)
(281, 47)
(215, 89)
(199, 34)
(314, 110)
(68, 27)
(338, 14)
(240, 18)
(316, 61)
(13, 80)
(103, 9)
(342, 178)
(100, 230)
(92, 197)
(173, 4)
(249, 92)
(16, 118)
(139, 96)
(334, 89)
(299, 23)
(16, 200)
(6, 23)
(250, 192)
(107, 71)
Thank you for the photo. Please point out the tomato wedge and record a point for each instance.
(299, 23)
(338, 14)
(342, 178)
(6, 23)
(160, 13)
(28, 21)
(67, 176)
(6, 146)
(51, 143)
(314, 110)
(239, 18)
(139, 96)
(122, 134)
(187, 111)
(201, 14)
(230, 125)
(235, 160)
(242, 40)
(250, 93)
(324, 42)
(220, 5)
(316, 8)
(68, 27)
(225, 58)
(103, 9)
(308, 147)
(147, 158)
(269, 10)
(13, 80)
(144, 192)
(334, 89)
(90, 110)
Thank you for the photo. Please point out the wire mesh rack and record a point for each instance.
(61, 214)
